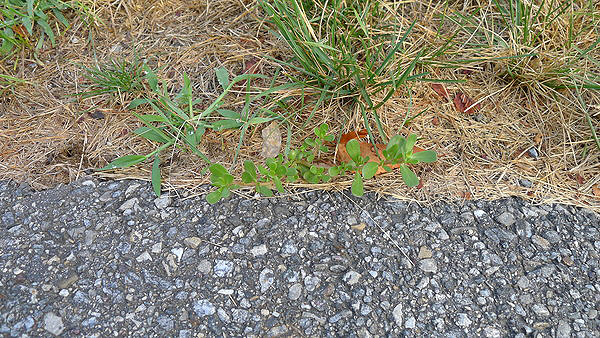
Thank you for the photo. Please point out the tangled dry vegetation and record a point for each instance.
(532, 135)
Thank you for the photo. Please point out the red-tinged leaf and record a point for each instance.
(435, 121)
(466, 71)
(353, 134)
(441, 91)
(465, 104)
(579, 179)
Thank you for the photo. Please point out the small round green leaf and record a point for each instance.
(250, 168)
(218, 170)
(353, 149)
(213, 197)
(369, 170)
(264, 191)
(409, 176)
(357, 186)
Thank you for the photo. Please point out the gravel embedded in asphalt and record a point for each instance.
(109, 258)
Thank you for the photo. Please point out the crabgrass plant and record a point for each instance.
(345, 49)
(545, 45)
(177, 122)
(31, 22)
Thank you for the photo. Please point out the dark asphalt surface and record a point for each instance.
(103, 259)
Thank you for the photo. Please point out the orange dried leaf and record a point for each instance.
(20, 29)
(435, 121)
(465, 104)
(441, 91)
(596, 190)
(366, 149)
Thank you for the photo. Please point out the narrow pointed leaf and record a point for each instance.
(124, 162)
(223, 77)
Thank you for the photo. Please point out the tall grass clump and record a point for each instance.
(346, 48)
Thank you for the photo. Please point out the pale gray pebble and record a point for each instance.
(53, 324)
(223, 268)
(259, 250)
(428, 265)
(223, 316)
(506, 218)
(163, 201)
(541, 310)
(351, 277)
(203, 308)
(397, 314)
(205, 266)
(525, 183)
(240, 315)
(492, 332)
(266, 279)
(311, 283)
(563, 330)
(410, 323)
(165, 323)
(463, 320)
(339, 316)
(295, 291)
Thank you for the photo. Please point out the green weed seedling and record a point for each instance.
(176, 122)
(300, 163)
(114, 77)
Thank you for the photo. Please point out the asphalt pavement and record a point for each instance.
(100, 259)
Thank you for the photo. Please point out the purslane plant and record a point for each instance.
(300, 163)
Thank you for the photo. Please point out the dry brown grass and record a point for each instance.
(45, 139)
